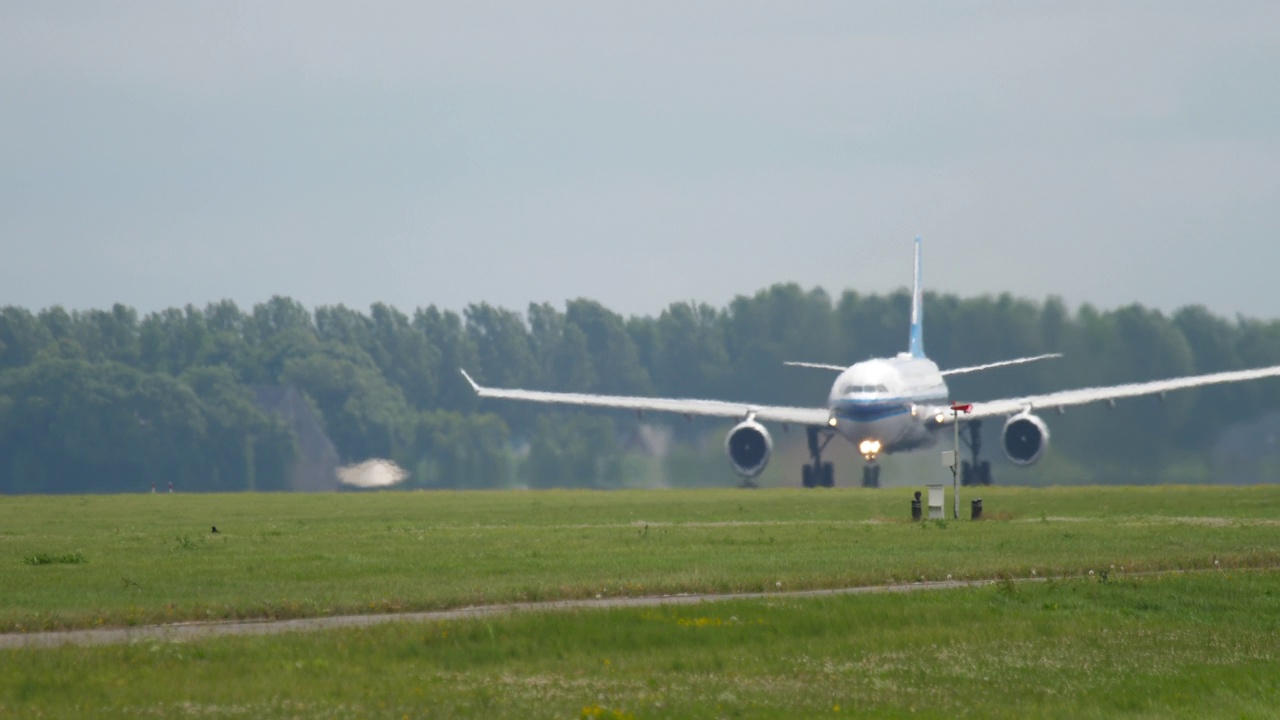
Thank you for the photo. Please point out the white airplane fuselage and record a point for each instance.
(888, 404)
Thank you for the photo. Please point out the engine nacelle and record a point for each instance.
(749, 447)
(1025, 436)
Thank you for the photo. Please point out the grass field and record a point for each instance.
(1201, 645)
(131, 559)
(1118, 643)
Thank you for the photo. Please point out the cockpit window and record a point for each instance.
(857, 389)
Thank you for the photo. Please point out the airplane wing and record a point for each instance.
(1063, 398)
(682, 406)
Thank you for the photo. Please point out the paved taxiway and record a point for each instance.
(178, 632)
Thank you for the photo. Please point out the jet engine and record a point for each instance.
(749, 446)
(1025, 436)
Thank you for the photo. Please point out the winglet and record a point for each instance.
(916, 347)
(474, 386)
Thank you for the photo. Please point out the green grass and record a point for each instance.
(1202, 645)
(152, 558)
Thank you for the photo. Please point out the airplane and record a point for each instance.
(882, 406)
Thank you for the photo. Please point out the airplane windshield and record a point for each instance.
(857, 389)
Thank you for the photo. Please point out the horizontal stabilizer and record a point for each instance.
(818, 366)
(1002, 363)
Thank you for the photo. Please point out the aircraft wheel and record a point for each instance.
(871, 476)
(828, 475)
(984, 473)
(967, 475)
(806, 476)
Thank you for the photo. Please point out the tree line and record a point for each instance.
(108, 400)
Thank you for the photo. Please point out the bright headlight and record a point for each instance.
(869, 447)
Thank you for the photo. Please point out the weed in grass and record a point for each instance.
(1007, 588)
(75, 558)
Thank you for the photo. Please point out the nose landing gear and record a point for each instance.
(818, 473)
(871, 474)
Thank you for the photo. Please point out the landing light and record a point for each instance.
(940, 418)
(869, 447)
(831, 421)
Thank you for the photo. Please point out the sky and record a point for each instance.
(158, 153)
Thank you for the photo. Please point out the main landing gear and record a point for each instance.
(975, 472)
(818, 473)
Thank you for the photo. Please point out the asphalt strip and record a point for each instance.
(181, 632)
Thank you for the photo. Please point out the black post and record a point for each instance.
(916, 513)
(975, 509)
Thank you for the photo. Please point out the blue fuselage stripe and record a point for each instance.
(870, 410)
(866, 415)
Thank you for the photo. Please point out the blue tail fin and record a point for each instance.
(917, 317)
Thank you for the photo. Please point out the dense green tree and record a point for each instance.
(110, 335)
(22, 337)
(405, 355)
(100, 400)
(277, 331)
(876, 326)
(173, 340)
(687, 355)
(609, 348)
(564, 362)
(501, 340)
(446, 331)
(364, 415)
(454, 450)
(773, 326)
(572, 450)
(76, 426)
(244, 448)
(227, 344)
(61, 328)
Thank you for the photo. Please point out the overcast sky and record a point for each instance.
(165, 153)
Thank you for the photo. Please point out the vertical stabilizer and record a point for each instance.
(917, 317)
